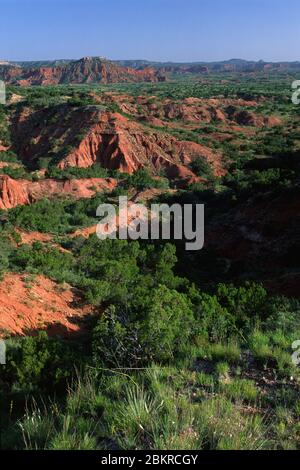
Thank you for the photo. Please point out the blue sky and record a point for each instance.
(176, 30)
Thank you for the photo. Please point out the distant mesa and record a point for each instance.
(93, 70)
(86, 70)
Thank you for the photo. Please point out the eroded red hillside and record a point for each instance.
(21, 192)
(85, 70)
(111, 139)
(191, 110)
(118, 143)
(30, 304)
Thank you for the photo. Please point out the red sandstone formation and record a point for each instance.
(27, 306)
(21, 192)
(118, 143)
(190, 110)
(85, 70)
(110, 139)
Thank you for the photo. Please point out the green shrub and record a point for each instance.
(45, 260)
(200, 166)
(94, 171)
(129, 340)
(9, 156)
(142, 179)
(246, 304)
(35, 363)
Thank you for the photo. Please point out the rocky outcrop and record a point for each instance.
(100, 70)
(45, 306)
(191, 110)
(81, 136)
(230, 66)
(110, 139)
(85, 70)
(120, 144)
(247, 118)
(21, 192)
(13, 192)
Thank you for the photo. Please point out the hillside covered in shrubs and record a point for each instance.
(116, 344)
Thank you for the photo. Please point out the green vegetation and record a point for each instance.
(56, 216)
(4, 127)
(186, 350)
(166, 365)
(18, 172)
(201, 168)
(142, 179)
(9, 156)
(95, 171)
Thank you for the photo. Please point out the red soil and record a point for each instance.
(85, 70)
(41, 304)
(120, 144)
(29, 238)
(190, 110)
(21, 192)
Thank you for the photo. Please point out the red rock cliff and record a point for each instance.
(21, 192)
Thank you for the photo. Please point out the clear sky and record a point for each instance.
(163, 30)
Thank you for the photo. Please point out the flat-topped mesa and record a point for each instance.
(22, 192)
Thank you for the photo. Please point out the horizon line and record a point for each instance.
(153, 60)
